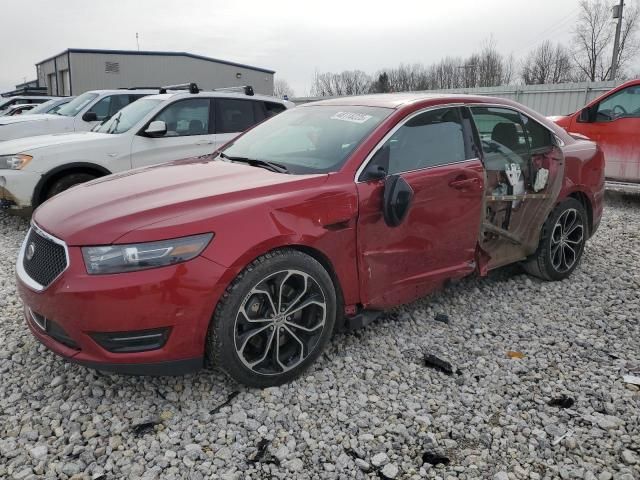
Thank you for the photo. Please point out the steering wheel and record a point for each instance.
(621, 109)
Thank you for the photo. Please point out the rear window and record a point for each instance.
(234, 115)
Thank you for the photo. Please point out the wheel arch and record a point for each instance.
(585, 201)
(56, 173)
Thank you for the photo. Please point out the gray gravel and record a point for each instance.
(369, 408)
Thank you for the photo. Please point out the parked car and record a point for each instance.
(51, 106)
(80, 114)
(17, 109)
(613, 120)
(317, 219)
(155, 129)
(6, 102)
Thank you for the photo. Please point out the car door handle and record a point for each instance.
(462, 183)
(204, 142)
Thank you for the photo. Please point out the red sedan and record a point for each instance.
(314, 220)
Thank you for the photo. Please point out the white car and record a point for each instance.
(80, 114)
(156, 129)
(6, 102)
(51, 106)
(17, 109)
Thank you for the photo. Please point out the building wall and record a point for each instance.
(54, 74)
(92, 71)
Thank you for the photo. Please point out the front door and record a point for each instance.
(437, 240)
(189, 134)
(615, 125)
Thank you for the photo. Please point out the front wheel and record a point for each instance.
(561, 242)
(66, 182)
(274, 320)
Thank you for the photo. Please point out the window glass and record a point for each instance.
(234, 116)
(502, 136)
(101, 108)
(310, 139)
(186, 117)
(540, 138)
(273, 108)
(76, 105)
(430, 139)
(129, 116)
(625, 103)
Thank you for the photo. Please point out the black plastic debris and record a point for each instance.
(438, 364)
(262, 454)
(435, 458)
(441, 317)
(562, 402)
(231, 396)
(141, 429)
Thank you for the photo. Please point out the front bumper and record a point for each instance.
(179, 299)
(16, 189)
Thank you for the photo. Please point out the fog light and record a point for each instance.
(131, 342)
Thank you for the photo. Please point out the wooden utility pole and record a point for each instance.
(617, 13)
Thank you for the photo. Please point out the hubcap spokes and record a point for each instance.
(280, 322)
(566, 240)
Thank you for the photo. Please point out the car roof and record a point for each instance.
(399, 100)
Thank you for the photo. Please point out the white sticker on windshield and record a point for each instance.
(351, 117)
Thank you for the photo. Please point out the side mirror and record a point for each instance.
(378, 166)
(90, 117)
(157, 128)
(588, 114)
(398, 195)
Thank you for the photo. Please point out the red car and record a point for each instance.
(314, 220)
(613, 120)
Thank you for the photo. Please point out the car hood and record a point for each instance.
(28, 144)
(104, 210)
(36, 117)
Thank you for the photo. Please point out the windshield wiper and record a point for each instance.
(116, 122)
(254, 162)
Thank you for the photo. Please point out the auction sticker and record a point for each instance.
(351, 117)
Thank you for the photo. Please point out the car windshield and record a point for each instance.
(127, 117)
(43, 107)
(310, 139)
(72, 108)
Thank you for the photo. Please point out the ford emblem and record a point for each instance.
(31, 250)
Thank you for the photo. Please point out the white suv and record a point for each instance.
(80, 114)
(156, 129)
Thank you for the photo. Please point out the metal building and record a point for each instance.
(77, 70)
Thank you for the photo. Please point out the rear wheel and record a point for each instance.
(66, 182)
(561, 242)
(274, 320)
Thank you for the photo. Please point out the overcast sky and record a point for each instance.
(295, 38)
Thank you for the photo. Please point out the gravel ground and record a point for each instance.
(370, 408)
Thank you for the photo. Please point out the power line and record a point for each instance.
(548, 30)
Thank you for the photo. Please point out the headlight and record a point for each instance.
(14, 162)
(142, 256)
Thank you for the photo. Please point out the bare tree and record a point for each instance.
(349, 82)
(547, 64)
(593, 39)
(381, 84)
(281, 89)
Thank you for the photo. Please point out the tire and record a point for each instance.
(67, 182)
(562, 241)
(244, 346)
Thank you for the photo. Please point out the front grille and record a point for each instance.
(44, 260)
